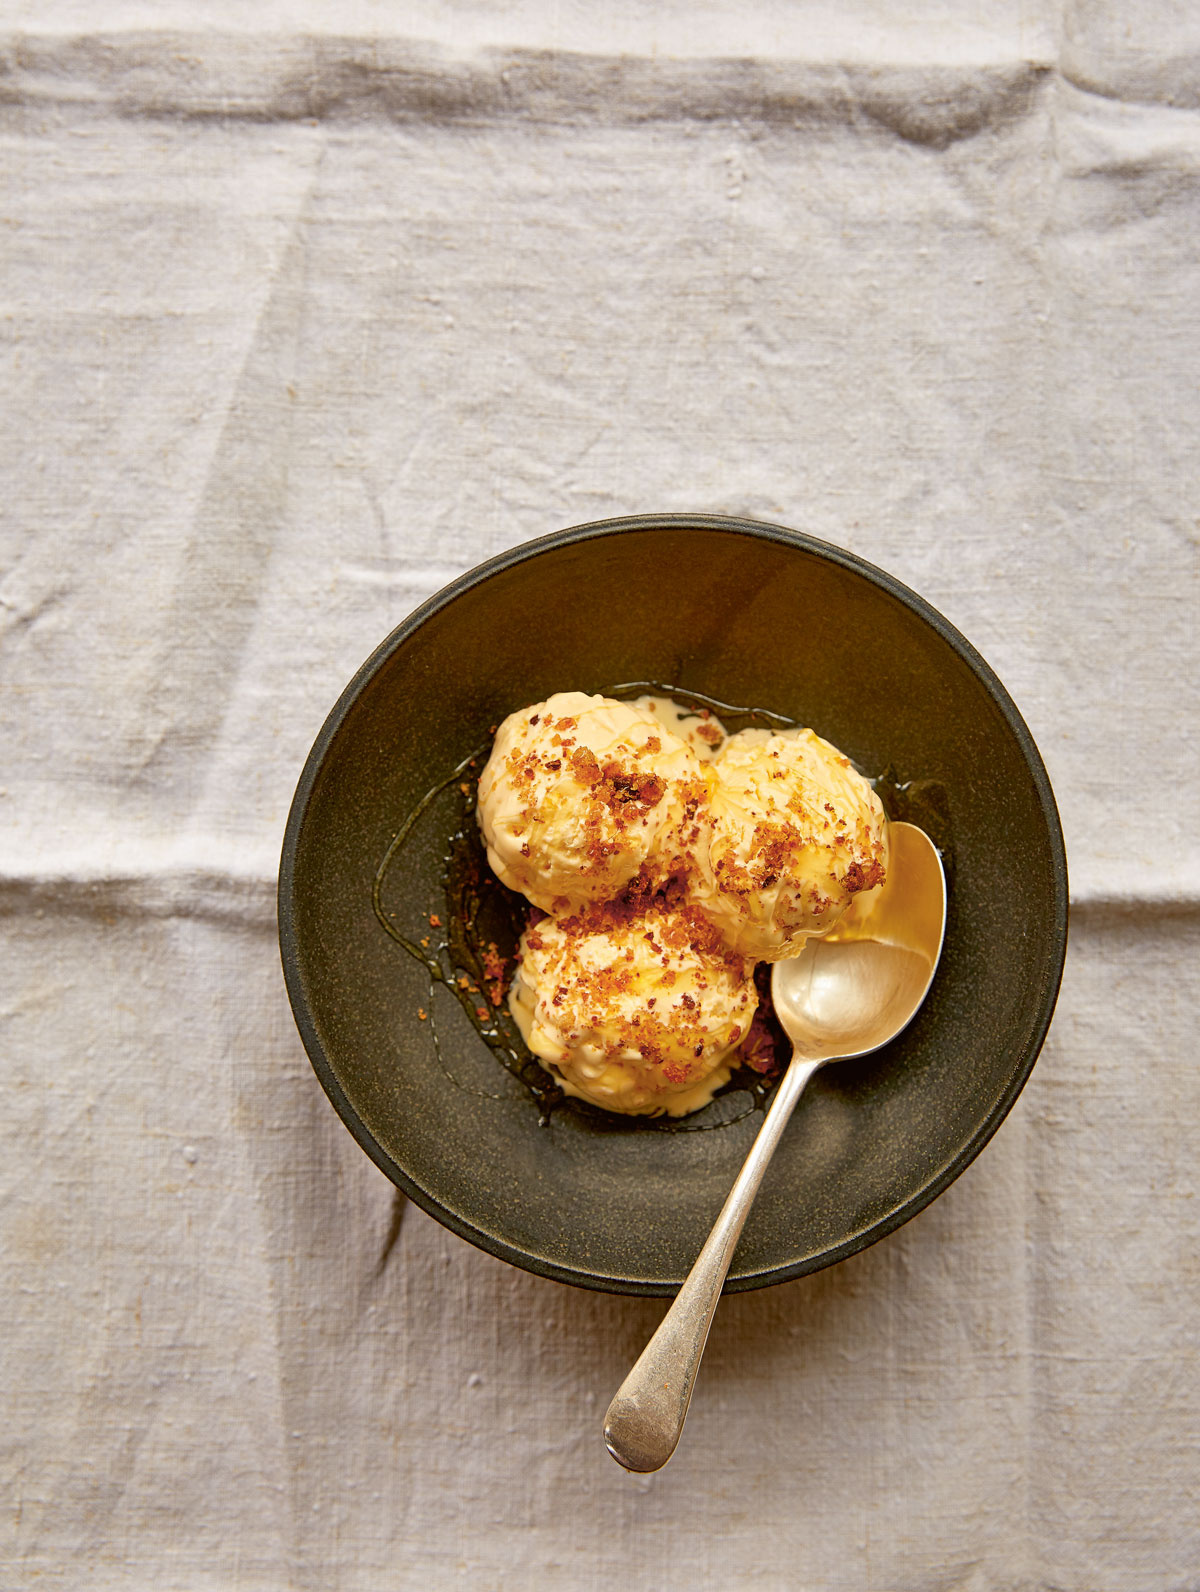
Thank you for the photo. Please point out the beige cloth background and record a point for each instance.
(308, 308)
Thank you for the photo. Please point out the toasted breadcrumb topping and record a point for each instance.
(652, 970)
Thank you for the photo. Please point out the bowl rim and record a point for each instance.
(625, 525)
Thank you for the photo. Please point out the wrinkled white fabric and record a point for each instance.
(308, 309)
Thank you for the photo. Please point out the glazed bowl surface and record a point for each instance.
(744, 614)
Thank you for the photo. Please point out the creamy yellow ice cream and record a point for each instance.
(792, 834)
(583, 793)
(638, 1012)
(669, 858)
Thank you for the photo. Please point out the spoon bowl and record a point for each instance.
(843, 996)
(861, 985)
(847, 1000)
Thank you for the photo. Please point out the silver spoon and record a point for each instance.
(843, 996)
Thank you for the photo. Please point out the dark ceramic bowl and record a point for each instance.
(752, 615)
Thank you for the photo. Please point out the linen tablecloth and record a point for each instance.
(308, 308)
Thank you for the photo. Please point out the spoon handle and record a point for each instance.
(646, 1417)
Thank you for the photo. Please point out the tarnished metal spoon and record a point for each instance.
(843, 996)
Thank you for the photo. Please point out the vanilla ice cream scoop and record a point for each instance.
(580, 794)
(794, 833)
(638, 1013)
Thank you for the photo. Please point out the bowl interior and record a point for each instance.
(753, 616)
